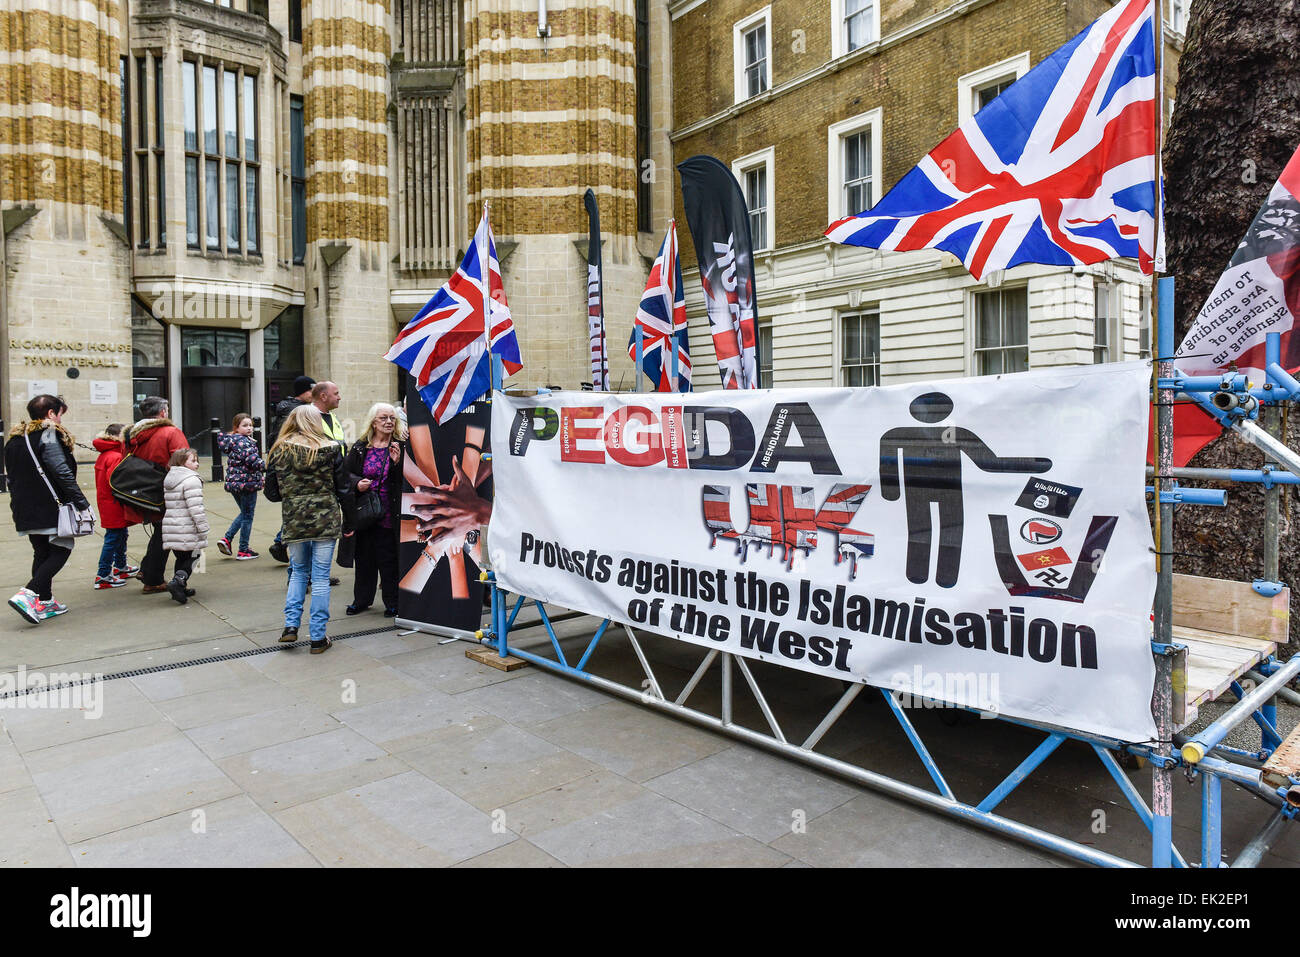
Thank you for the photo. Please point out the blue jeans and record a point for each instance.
(113, 554)
(247, 502)
(309, 558)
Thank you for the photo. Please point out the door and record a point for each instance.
(212, 392)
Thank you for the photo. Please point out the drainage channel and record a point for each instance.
(211, 659)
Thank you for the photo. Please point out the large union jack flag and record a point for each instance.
(661, 317)
(1060, 169)
(446, 345)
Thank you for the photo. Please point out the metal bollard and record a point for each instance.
(257, 433)
(4, 479)
(218, 472)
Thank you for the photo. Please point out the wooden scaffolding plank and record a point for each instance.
(1228, 607)
(1284, 763)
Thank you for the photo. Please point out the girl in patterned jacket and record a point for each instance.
(244, 476)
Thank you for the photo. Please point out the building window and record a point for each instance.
(753, 54)
(981, 87)
(853, 149)
(1001, 331)
(143, 141)
(765, 355)
(854, 24)
(758, 182)
(860, 348)
(295, 21)
(214, 347)
(222, 166)
(1107, 341)
(1178, 16)
(298, 187)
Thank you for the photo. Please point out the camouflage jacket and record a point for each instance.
(317, 498)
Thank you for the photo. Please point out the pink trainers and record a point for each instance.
(223, 546)
(27, 604)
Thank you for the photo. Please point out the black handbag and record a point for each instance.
(139, 483)
(370, 510)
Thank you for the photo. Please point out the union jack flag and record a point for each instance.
(446, 345)
(662, 319)
(1060, 169)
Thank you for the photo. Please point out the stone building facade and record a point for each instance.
(821, 107)
(206, 199)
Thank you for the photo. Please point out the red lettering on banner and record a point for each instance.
(624, 421)
(674, 438)
(571, 433)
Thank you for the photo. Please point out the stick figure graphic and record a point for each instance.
(931, 472)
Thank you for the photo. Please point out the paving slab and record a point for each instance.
(282, 775)
(606, 821)
(222, 739)
(112, 781)
(405, 820)
(28, 835)
(630, 740)
(234, 832)
(355, 689)
(755, 793)
(42, 720)
(401, 724)
(517, 854)
(254, 696)
(490, 763)
(13, 771)
(533, 698)
(447, 669)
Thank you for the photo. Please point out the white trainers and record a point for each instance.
(48, 609)
(28, 605)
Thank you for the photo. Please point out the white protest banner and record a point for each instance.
(982, 541)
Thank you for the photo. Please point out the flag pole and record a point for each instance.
(485, 283)
(1162, 798)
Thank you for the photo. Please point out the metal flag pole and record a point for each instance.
(639, 331)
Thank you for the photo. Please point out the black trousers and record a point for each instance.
(153, 567)
(47, 560)
(184, 562)
(376, 557)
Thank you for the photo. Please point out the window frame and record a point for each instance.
(836, 133)
(969, 85)
(860, 312)
(741, 27)
(975, 351)
(1183, 7)
(765, 158)
(248, 241)
(766, 368)
(839, 37)
(1114, 320)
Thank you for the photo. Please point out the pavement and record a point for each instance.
(219, 747)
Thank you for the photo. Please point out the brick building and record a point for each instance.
(206, 199)
(819, 109)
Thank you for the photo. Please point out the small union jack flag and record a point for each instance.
(661, 318)
(1060, 169)
(446, 345)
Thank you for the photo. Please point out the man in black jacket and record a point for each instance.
(42, 477)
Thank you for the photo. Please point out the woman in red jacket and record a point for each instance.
(114, 571)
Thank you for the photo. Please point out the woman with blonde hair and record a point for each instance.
(374, 464)
(305, 473)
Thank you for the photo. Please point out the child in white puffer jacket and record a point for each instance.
(185, 523)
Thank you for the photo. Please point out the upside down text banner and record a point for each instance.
(980, 541)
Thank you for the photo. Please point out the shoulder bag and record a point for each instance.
(72, 523)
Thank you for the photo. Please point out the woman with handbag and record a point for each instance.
(375, 464)
(47, 504)
(305, 472)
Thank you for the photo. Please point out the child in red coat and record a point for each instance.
(114, 571)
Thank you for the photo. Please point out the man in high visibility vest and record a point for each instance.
(325, 397)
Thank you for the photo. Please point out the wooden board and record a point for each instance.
(1213, 663)
(489, 657)
(1284, 763)
(1230, 608)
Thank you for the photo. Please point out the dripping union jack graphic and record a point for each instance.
(445, 347)
(1060, 169)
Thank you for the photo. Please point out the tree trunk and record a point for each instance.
(1236, 123)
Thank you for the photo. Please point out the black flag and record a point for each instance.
(718, 217)
(595, 299)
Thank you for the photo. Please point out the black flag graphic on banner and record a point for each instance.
(595, 299)
(718, 217)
